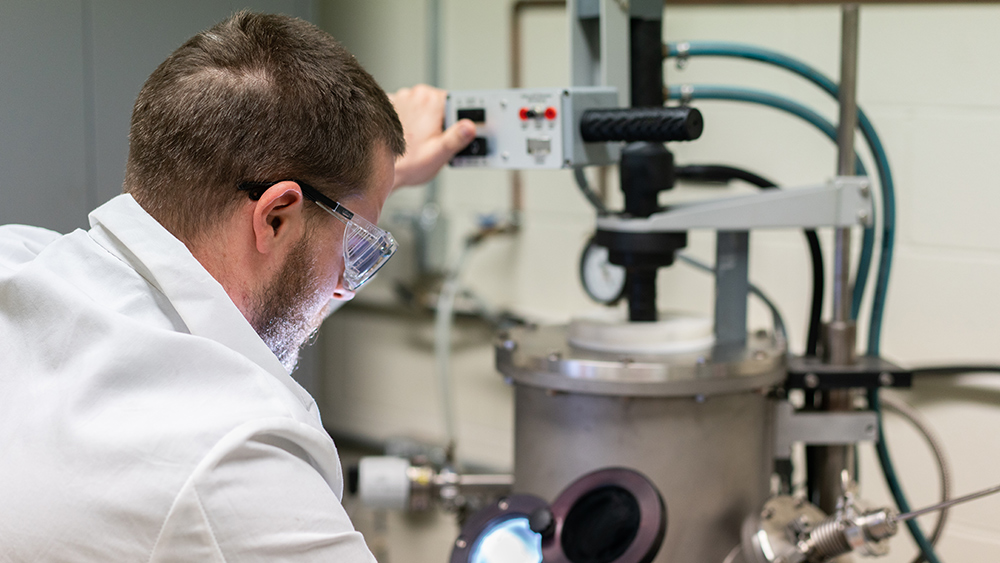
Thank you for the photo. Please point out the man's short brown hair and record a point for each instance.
(255, 98)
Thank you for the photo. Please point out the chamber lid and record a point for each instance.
(610, 331)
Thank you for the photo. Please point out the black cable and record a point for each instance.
(724, 174)
(955, 370)
(721, 174)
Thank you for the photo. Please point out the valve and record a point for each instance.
(791, 530)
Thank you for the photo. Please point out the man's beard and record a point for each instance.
(288, 312)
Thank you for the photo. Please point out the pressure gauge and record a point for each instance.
(603, 281)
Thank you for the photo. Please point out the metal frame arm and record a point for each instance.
(844, 201)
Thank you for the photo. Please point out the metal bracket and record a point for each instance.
(867, 372)
(844, 201)
(820, 428)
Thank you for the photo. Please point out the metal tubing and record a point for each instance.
(947, 503)
(848, 89)
(840, 348)
(842, 291)
(832, 460)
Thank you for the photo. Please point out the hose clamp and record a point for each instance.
(683, 53)
(687, 94)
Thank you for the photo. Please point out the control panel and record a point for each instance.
(531, 127)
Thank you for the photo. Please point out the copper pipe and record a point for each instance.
(516, 180)
(515, 33)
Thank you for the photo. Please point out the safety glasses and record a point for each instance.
(366, 247)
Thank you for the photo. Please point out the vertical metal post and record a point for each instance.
(840, 341)
(841, 332)
(599, 45)
(428, 223)
(732, 249)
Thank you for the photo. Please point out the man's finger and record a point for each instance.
(458, 136)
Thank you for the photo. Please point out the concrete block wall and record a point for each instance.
(928, 80)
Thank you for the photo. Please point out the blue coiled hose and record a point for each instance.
(790, 106)
(751, 52)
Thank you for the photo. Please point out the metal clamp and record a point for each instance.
(820, 428)
(683, 54)
(687, 94)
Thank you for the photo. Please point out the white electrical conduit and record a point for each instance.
(444, 317)
(917, 420)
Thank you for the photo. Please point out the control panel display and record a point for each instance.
(530, 128)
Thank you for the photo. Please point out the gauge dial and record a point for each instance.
(603, 281)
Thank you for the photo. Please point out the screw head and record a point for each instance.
(885, 378)
(460, 543)
(504, 505)
(811, 380)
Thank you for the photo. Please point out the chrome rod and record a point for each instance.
(845, 146)
(942, 505)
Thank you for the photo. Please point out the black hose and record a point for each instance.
(954, 370)
(724, 174)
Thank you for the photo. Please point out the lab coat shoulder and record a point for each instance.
(21, 243)
(260, 495)
(156, 424)
(141, 417)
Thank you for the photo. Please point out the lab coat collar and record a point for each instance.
(124, 228)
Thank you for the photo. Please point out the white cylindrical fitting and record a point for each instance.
(383, 482)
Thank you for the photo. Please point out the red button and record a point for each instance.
(550, 113)
(524, 114)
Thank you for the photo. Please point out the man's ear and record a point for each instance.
(278, 220)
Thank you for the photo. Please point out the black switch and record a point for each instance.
(477, 115)
(476, 148)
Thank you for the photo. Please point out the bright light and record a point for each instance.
(510, 541)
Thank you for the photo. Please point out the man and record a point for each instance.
(146, 407)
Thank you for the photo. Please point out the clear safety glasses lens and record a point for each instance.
(366, 249)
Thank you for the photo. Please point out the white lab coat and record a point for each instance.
(141, 417)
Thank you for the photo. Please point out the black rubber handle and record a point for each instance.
(656, 124)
